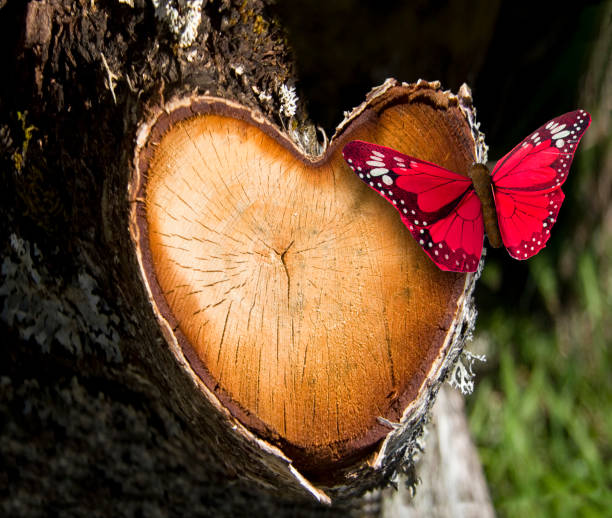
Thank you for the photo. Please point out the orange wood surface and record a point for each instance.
(299, 288)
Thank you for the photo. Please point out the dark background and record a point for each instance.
(524, 62)
(541, 413)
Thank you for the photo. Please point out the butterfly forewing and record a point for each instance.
(542, 160)
(439, 207)
(527, 183)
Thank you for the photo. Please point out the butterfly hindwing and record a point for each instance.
(439, 207)
(527, 183)
(454, 242)
(525, 220)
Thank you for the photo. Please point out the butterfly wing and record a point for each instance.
(527, 183)
(525, 220)
(439, 207)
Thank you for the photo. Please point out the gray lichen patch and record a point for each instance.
(462, 376)
(51, 312)
(182, 17)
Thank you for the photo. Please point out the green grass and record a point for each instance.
(541, 413)
(542, 419)
(545, 438)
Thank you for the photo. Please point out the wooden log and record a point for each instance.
(288, 291)
(97, 385)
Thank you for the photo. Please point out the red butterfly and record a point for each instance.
(447, 213)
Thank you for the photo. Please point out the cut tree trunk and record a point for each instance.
(202, 313)
(451, 479)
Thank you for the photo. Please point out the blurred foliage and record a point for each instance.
(542, 414)
(542, 410)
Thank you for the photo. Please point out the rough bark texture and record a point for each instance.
(449, 469)
(90, 426)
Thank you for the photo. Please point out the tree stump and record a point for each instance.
(218, 298)
(296, 299)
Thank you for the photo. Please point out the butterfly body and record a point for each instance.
(447, 213)
(481, 180)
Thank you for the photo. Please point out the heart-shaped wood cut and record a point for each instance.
(294, 291)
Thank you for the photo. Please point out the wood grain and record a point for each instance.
(309, 308)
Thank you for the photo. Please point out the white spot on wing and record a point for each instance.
(377, 171)
(561, 134)
(374, 163)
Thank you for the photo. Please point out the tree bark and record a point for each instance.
(451, 479)
(99, 418)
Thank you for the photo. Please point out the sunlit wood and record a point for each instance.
(308, 304)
